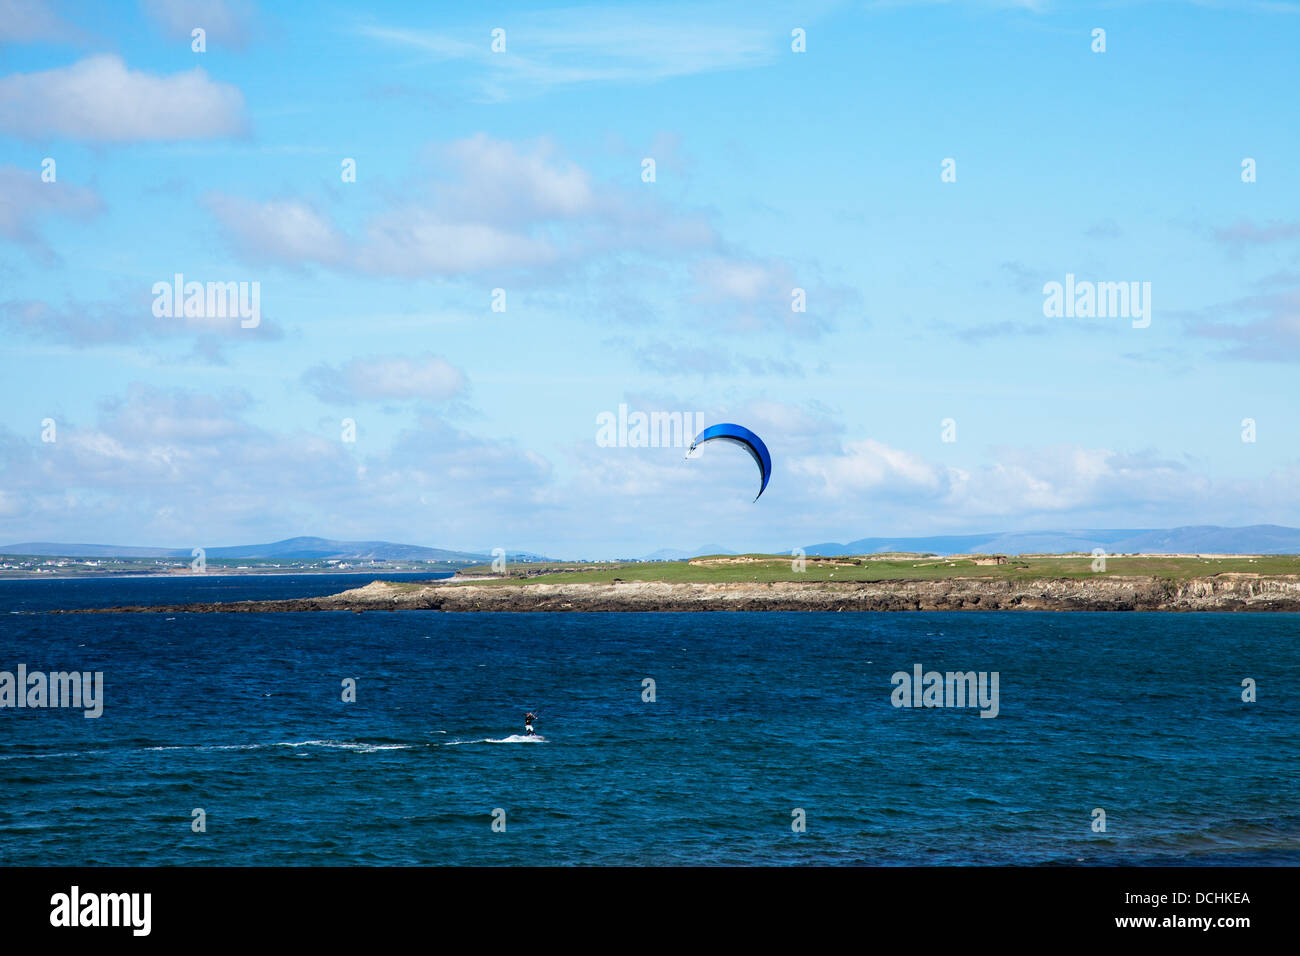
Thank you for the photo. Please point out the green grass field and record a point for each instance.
(766, 567)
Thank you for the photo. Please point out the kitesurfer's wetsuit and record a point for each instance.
(528, 722)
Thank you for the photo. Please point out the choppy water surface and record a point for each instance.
(756, 714)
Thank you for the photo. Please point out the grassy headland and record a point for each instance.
(894, 582)
(764, 568)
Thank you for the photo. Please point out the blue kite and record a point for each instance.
(742, 436)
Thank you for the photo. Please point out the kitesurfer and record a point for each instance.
(528, 724)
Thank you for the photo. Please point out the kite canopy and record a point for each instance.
(742, 436)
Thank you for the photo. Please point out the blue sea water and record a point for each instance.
(756, 715)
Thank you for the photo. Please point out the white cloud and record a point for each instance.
(500, 181)
(1248, 233)
(1064, 483)
(98, 99)
(754, 293)
(187, 468)
(499, 206)
(179, 467)
(225, 21)
(664, 357)
(87, 324)
(415, 242)
(26, 200)
(600, 45)
(386, 377)
(744, 281)
(33, 21)
(1264, 327)
(869, 465)
(284, 231)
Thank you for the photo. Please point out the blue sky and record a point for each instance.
(522, 170)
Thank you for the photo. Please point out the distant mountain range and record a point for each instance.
(677, 554)
(1204, 539)
(1194, 539)
(290, 549)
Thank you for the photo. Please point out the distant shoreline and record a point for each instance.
(98, 576)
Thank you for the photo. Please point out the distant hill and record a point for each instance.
(51, 549)
(941, 544)
(1211, 539)
(304, 548)
(1203, 539)
(677, 554)
(324, 548)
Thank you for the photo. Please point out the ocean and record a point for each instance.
(759, 722)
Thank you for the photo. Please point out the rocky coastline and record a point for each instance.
(1221, 592)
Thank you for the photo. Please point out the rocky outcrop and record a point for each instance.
(1223, 592)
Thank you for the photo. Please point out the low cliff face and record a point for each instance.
(1220, 593)
(1223, 592)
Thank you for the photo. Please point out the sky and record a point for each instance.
(463, 258)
